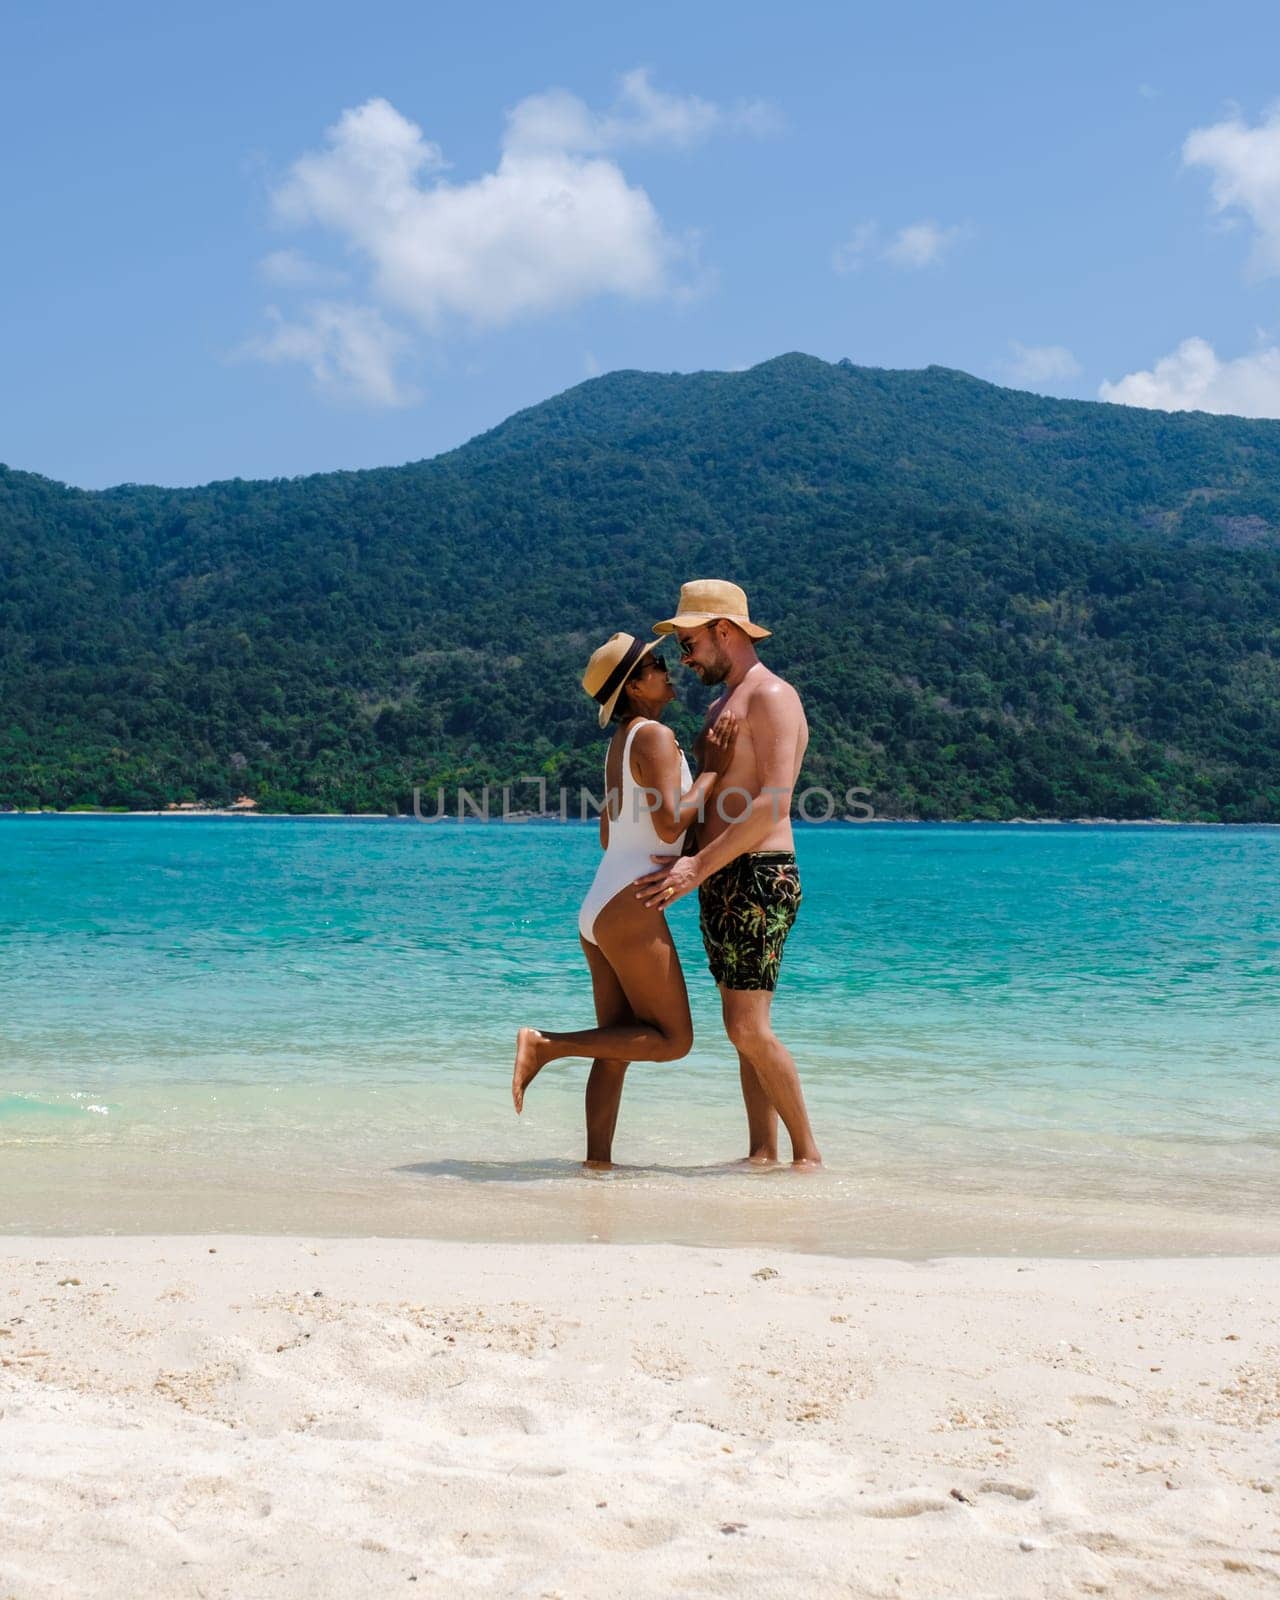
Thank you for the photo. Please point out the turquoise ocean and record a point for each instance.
(1054, 1039)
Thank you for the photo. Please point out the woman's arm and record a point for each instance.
(656, 758)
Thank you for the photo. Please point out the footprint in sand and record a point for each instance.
(220, 1496)
(636, 1533)
(911, 1503)
(1101, 1541)
(471, 1419)
(352, 1428)
(1015, 1491)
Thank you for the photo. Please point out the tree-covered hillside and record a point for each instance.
(995, 604)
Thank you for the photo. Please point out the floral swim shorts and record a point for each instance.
(745, 912)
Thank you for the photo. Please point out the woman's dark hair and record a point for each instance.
(621, 710)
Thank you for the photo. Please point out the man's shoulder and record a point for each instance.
(774, 692)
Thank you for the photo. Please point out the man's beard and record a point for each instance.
(715, 672)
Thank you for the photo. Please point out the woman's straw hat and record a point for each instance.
(706, 599)
(610, 667)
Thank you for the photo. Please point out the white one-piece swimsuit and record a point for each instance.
(632, 839)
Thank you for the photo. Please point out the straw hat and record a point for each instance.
(610, 667)
(706, 599)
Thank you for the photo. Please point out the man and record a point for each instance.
(745, 867)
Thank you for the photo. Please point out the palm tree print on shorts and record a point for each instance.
(746, 911)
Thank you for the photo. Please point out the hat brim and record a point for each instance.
(695, 619)
(606, 710)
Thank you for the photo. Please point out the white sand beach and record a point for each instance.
(233, 1416)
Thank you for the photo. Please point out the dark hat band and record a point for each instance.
(618, 676)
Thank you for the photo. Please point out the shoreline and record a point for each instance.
(59, 1194)
(311, 1417)
(518, 819)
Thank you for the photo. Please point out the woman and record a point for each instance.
(642, 1005)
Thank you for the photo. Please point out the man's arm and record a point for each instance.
(771, 720)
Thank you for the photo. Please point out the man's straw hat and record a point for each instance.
(610, 667)
(705, 599)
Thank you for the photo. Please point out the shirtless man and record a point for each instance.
(745, 867)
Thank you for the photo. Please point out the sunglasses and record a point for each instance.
(686, 645)
(658, 663)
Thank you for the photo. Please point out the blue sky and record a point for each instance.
(265, 239)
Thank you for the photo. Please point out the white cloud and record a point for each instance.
(850, 255)
(919, 244)
(1040, 363)
(289, 269)
(1194, 378)
(555, 223)
(546, 229)
(1245, 167)
(641, 115)
(349, 350)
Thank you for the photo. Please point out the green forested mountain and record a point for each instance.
(995, 604)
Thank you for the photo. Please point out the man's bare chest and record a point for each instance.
(742, 765)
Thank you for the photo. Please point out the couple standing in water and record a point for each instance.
(740, 857)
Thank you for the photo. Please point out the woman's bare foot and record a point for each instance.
(528, 1064)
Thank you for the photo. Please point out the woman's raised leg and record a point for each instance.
(637, 945)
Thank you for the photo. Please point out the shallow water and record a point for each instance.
(1058, 1038)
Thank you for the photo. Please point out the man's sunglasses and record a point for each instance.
(686, 645)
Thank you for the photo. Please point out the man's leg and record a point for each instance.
(748, 1023)
(762, 1119)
